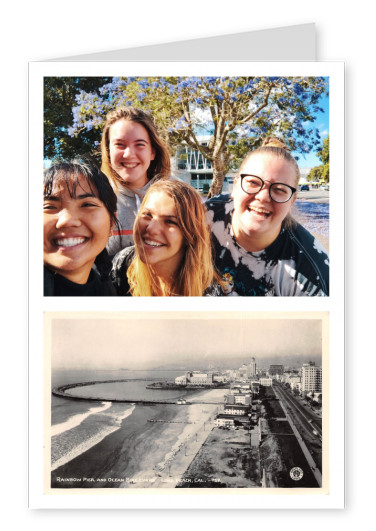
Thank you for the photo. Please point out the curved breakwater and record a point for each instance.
(63, 391)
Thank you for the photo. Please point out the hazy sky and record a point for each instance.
(150, 341)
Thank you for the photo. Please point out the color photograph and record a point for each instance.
(186, 186)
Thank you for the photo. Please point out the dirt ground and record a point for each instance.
(226, 460)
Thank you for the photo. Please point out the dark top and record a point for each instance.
(56, 285)
(122, 261)
(295, 264)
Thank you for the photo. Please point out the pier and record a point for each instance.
(61, 392)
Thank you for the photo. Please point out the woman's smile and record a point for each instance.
(131, 152)
(257, 219)
(159, 239)
(76, 230)
(152, 243)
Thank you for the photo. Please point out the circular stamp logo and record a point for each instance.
(296, 473)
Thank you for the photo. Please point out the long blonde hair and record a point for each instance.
(160, 167)
(196, 272)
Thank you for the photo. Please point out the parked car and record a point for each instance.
(304, 187)
(325, 187)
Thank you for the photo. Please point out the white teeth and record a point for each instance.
(129, 165)
(69, 242)
(153, 244)
(260, 210)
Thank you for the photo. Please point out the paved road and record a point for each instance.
(312, 464)
(308, 418)
(315, 196)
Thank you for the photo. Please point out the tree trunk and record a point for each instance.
(220, 168)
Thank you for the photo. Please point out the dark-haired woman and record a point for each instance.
(259, 248)
(79, 212)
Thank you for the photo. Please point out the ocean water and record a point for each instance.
(76, 426)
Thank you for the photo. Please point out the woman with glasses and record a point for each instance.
(259, 248)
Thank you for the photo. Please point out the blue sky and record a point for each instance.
(322, 123)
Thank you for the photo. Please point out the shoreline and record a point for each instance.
(199, 424)
(144, 454)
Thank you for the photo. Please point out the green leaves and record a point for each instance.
(235, 111)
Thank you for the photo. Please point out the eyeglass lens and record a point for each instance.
(279, 192)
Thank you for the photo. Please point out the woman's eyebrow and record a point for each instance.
(150, 211)
(80, 196)
(84, 196)
(51, 197)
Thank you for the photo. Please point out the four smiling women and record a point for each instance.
(161, 230)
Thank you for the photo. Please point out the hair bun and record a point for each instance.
(273, 141)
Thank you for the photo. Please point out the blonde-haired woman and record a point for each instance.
(172, 254)
(134, 156)
(259, 248)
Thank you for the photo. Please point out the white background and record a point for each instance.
(44, 29)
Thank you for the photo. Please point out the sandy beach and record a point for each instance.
(152, 449)
(197, 421)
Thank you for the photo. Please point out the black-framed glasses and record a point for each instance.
(278, 192)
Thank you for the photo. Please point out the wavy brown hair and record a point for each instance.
(160, 167)
(196, 271)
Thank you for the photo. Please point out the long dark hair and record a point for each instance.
(69, 172)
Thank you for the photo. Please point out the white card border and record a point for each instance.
(333, 304)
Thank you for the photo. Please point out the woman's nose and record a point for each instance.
(153, 227)
(263, 193)
(128, 151)
(67, 218)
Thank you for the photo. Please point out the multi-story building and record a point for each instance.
(239, 398)
(275, 369)
(294, 381)
(251, 368)
(311, 378)
(266, 382)
(228, 421)
(195, 378)
(242, 371)
(191, 166)
(236, 409)
(255, 388)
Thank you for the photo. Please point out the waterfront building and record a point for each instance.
(181, 380)
(220, 378)
(243, 398)
(236, 409)
(239, 398)
(227, 421)
(195, 378)
(240, 387)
